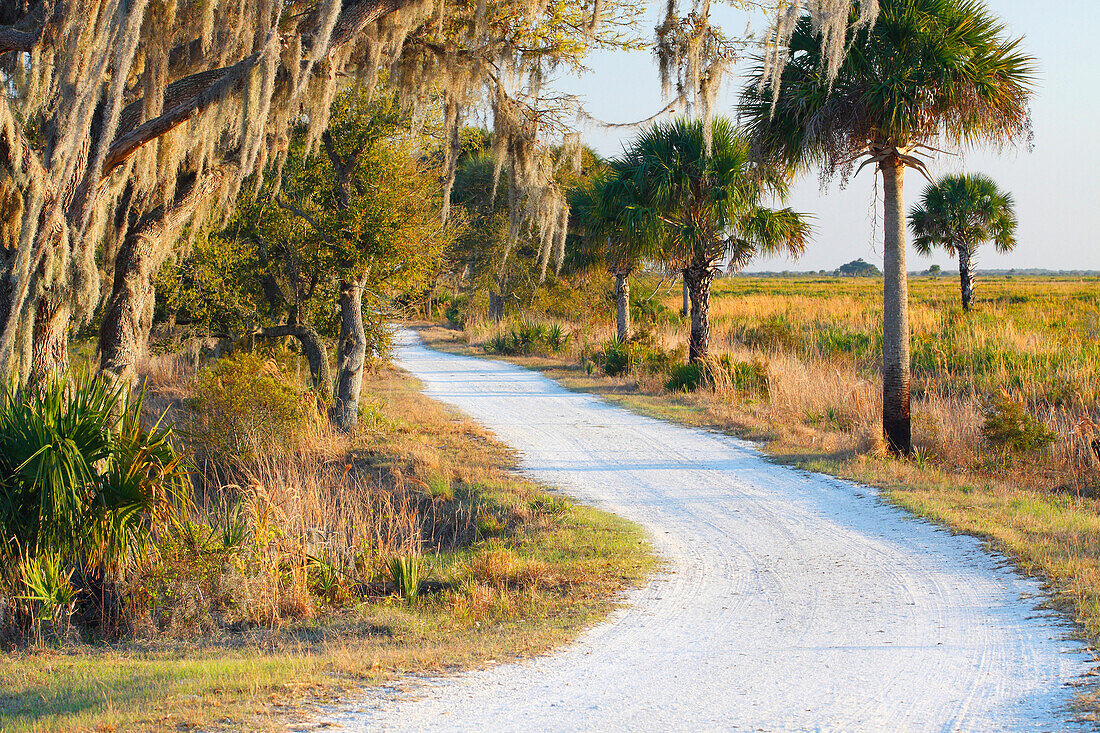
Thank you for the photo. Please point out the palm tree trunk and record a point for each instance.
(896, 425)
(351, 356)
(966, 277)
(685, 309)
(698, 281)
(622, 304)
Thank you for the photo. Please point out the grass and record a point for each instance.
(546, 569)
(1034, 342)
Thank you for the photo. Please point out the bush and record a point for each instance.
(49, 591)
(457, 311)
(530, 338)
(744, 376)
(246, 406)
(615, 358)
(405, 571)
(655, 360)
(81, 479)
(685, 377)
(1010, 429)
(721, 372)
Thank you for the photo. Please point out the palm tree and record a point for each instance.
(599, 210)
(698, 206)
(927, 72)
(958, 213)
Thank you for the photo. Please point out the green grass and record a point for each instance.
(1038, 336)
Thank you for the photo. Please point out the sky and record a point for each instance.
(1055, 185)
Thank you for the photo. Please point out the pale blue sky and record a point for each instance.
(1055, 185)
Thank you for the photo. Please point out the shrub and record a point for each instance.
(720, 372)
(498, 344)
(527, 338)
(655, 360)
(457, 311)
(405, 571)
(744, 376)
(1009, 428)
(615, 358)
(81, 479)
(685, 377)
(650, 311)
(49, 590)
(557, 338)
(246, 406)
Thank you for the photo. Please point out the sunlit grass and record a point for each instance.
(566, 564)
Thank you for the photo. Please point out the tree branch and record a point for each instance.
(215, 89)
(305, 216)
(192, 95)
(16, 40)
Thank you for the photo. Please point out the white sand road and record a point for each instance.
(791, 601)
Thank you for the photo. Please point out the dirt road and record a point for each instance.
(792, 601)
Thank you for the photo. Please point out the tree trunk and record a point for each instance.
(966, 277)
(622, 304)
(698, 281)
(496, 306)
(50, 339)
(316, 354)
(896, 425)
(351, 356)
(685, 308)
(128, 317)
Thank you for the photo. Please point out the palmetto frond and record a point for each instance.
(678, 202)
(926, 71)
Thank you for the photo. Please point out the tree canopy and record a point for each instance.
(127, 118)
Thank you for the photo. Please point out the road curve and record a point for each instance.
(792, 601)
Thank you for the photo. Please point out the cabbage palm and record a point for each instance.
(926, 73)
(600, 210)
(699, 206)
(959, 213)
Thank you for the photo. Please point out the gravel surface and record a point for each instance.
(791, 600)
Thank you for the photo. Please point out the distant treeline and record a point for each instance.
(1021, 272)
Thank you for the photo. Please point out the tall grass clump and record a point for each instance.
(639, 356)
(721, 373)
(406, 571)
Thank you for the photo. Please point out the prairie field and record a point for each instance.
(1031, 341)
(1006, 399)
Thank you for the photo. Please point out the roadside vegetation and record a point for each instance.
(310, 562)
(1006, 398)
(217, 501)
